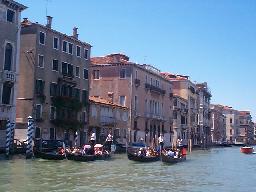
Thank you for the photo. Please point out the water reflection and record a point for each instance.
(224, 169)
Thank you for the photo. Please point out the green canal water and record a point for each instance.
(219, 169)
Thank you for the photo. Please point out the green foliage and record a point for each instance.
(61, 102)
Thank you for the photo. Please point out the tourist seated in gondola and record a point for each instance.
(141, 152)
(170, 153)
(98, 149)
(60, 151)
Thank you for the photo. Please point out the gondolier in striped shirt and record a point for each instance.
(108, 142)
(161, 141)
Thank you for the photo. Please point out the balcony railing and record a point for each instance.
(154, 116)
(155, 89)
(137, 82)
(67, 78)
(9, 76)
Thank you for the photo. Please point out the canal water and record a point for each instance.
(219, 169)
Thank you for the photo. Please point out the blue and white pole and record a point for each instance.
(29, 151)
(12, 136)
(8, 138)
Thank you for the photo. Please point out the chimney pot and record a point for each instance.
(49, 22)
(75, 34)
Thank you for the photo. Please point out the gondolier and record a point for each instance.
(161, 141)
(108, 142)
(93, 139)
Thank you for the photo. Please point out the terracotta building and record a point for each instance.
(139, 87)
(107, 117)
(10, 12)
(218, 124)
(246, 130)
(53, 83)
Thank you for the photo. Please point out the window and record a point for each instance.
(136, 74)
(38, 111)
(53, 89)
(84, 116)
(37, 133)
(64, 46)
(78, 51)
(146, 79)
(70, 70)
(122, 100)
(42, 38)
(64, 68)
(135, 103)
(52, 134)
(174, 114)
(175, 102)
(10, 15)
(96, 74)
(84, 97)
(86, 53)
(41, 61)
(85, 73)
(39, 89)
(3, 124)
(64, 90)
(122, 73)
(8, 57)
(52, 113)
(55, 65)
(76, 93)
(55, 43)
(77, 72)
(70, 48)
(231, 120)
(6, 93)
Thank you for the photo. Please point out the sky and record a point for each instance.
(212, 41)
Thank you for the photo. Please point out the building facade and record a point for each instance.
(142, 89)
(107, 117)
(180, 118)
(184, 88)
(218, 124)
(10, 12)
(245, 132)
(204, 113)
(53, 83)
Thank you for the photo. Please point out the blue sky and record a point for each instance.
(209, 40)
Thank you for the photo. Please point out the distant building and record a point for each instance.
(218, 124)
(186, 89)
(180, 118)
(139, 87)
(245, 132)
(10, 12)
(53, 83)
(232, 124)
(107, 117)
(204, 113)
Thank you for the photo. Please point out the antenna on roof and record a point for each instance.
(46, 7)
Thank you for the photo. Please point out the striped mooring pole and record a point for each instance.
(29, 151)
(12, 136)
(8, 137)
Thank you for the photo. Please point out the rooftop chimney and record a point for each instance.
(75, 35)
(49, 22)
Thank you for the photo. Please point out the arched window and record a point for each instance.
(8, 57)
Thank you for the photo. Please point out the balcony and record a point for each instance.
(9, 76)
(154, 89)
(137, 82)
(155, 116)
(107, 121)
(67, 78)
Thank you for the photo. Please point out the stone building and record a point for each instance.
(218, 124)
(245, 132)
(107, 117)
(139, 87)
(10, 12)
(53, 83)
(204, 113)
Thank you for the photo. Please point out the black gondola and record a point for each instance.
(49, 155)
(104, 156)
(83, 158)
(172, 160)
(134, 157)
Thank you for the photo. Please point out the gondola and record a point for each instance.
(83, 158)
(49, 155)
(104, 156)
(134, 157)
(172, 160)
